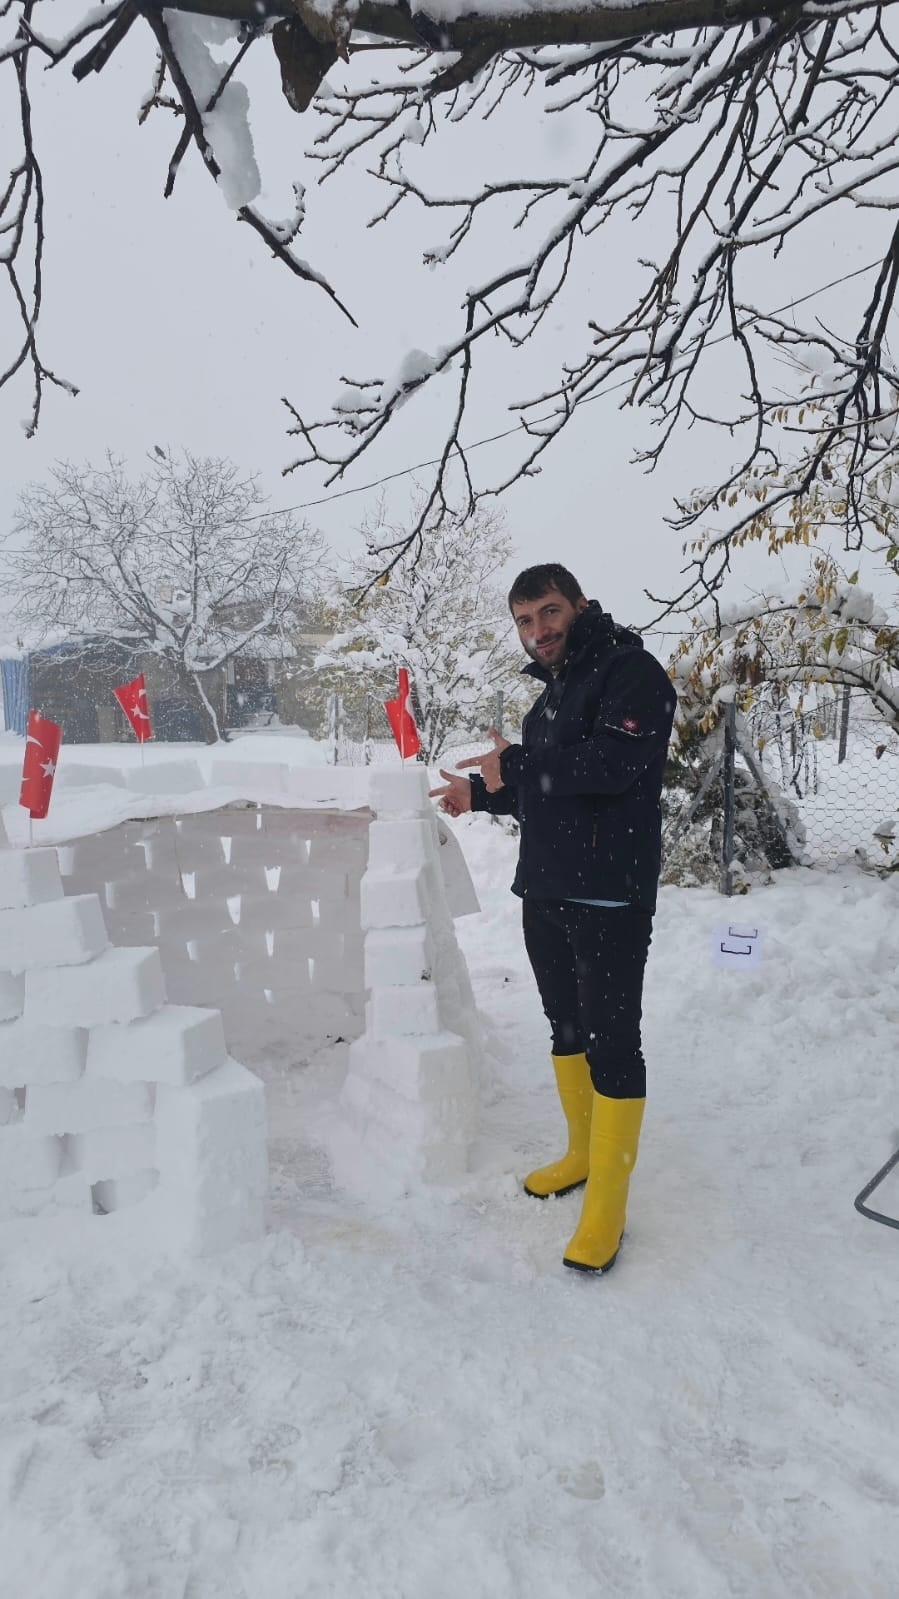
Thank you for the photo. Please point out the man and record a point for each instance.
(585, 785)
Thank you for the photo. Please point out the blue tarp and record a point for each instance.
(14, 678)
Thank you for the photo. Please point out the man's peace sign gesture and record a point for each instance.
(489, 763)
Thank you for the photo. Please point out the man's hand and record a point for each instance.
(489, 763)
(455, 799)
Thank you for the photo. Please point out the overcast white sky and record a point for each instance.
(181, 331)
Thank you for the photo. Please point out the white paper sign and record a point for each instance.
(737, 945)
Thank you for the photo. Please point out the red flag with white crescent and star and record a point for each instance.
(401, 719)
(133, 699)
(42, 741)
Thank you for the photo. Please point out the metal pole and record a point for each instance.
(727, 842)
(366, 742)
(844, 724)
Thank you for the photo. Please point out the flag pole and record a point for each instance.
(400, 709)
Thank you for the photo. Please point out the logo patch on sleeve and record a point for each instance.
(630, 724)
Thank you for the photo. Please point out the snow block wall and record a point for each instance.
(254, 910)
(407, 1109)
(140, 959)
(110, 1098)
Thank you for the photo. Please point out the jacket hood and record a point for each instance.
(592, 633)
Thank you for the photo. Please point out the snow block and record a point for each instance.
(165, 777)
(144, 891)
(337, 853)
(114, 1152)
(397, 955)
(10, 787)
(263, 779)
(28, 877)
(119, 1193)
(394, 899)
(83, 774)
(401, 791)
(401, 844)
(71, 1192)
(340, 787)
(118, 986)
(12, 995)
(16, 1202)
(93, 1104)
(421, 1069)
(61, 932)
(400, 1012)
(26, 1160)
(393, 1143)
(212, 1160)
(40, 1054)
(176, 1045)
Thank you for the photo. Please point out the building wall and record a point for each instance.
(74, 686)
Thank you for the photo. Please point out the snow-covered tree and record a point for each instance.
(440, 613)
(821, 633)
(184, 562)
(689, 140)
(829, 632)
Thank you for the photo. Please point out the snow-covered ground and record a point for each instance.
(415, 1400)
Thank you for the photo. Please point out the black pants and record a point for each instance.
(589, 963)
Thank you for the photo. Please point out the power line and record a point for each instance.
(494, 438)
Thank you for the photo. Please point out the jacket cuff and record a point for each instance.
(478, 792)
(510, 763)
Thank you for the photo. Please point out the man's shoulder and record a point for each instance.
(630, 663)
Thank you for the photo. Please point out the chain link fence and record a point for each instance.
(838, 764)
(785, 784)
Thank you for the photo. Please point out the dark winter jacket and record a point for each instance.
(586, 779)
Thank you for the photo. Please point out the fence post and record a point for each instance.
(727, 841)
(499, 711)
(366, 738)
(335, 718)
(844, 724)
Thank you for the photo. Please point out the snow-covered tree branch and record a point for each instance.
(700, 137)
(186, 563)
(829, 632)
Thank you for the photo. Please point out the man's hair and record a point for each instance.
(535, 581)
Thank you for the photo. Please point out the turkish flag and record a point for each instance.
(401, 719)
(42, 742)
(133, 699)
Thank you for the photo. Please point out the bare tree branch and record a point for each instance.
(709, 133)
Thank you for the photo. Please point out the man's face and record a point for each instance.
(543, 626)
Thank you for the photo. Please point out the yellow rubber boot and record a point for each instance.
(614, 1136)
(576, 1094)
